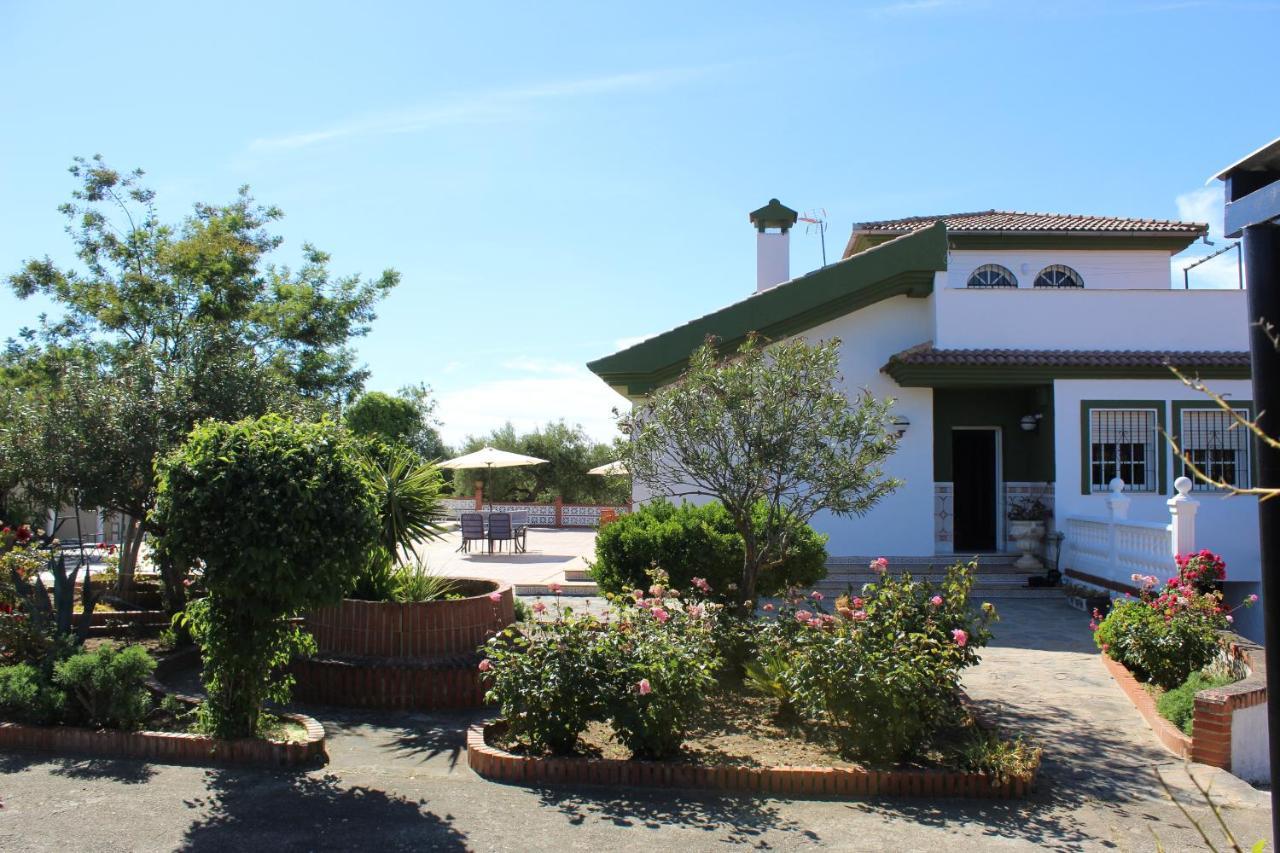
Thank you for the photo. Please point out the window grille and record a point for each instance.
(992, 275)
(1057, 275)
(1209, 440)
(1123, 443)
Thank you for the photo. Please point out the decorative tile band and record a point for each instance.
(501, 766)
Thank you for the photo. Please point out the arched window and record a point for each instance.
(1057, 275)
(992, 275)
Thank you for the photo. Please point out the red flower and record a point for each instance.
(24, 534)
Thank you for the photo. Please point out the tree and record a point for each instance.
(569, 452)
(767, 424)
(164, 326)
(407, 419)
(280, 514)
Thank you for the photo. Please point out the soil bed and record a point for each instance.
(740, 729)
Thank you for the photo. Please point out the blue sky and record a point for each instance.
(555, 179)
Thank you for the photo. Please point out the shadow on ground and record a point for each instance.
(725, 819)
(251, 810)
(125, 771)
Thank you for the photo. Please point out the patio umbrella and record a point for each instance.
(491, 457)
(611, 469)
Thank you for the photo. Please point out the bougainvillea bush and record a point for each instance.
(1169, 631)
(883, 671)
(645, 671)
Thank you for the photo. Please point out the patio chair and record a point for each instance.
(520, 529)
(472, 529)
(500, 529)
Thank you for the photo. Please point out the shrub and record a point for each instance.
(417, 583)
(106, 687)
(884, 673)
(1178, 705)
(546, 683)
(279, 513)
(1167, 635)
(27, 697)
(660, 663)
(697, 541)
(1203, 570)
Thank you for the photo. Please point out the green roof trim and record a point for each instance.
(904, 266)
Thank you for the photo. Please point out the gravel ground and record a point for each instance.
(400, 781)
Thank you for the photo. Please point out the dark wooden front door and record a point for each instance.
(973, 459)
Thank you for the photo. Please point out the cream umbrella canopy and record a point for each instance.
(491, 457)
(611, 469)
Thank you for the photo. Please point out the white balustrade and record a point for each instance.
(1116, 548)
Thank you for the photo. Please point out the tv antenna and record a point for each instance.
(817, 220)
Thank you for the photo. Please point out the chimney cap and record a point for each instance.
(775, 214)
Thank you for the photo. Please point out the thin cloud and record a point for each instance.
(493, 105)
(915, 7)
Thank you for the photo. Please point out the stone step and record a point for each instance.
(578, 575)
(567, 589)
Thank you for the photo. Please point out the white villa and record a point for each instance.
(1027, 354)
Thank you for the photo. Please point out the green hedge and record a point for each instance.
(690, 541)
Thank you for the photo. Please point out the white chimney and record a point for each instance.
(773, 243)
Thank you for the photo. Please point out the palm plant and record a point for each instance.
(407, 494)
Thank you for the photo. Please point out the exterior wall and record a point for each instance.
(1249, 744)
(902, 523)
(1075, 319)
(1024, 455)
(1113, 269)
(1229, 527)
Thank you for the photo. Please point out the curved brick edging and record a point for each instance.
(390, 684)
(169, 747)
(501, 766)
(382, 629)
(1166, 732)
(404, 657)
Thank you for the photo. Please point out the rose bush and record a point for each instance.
(645, 671)
(883, 671)
(1172, 631)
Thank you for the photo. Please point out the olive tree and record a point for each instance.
(280, 515)
(767, 424)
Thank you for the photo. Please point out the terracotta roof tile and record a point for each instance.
(925, 354)
(987, 221)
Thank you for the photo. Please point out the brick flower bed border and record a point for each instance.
(169, 747)
(498, 765)
(1210, 742)
(409, 657)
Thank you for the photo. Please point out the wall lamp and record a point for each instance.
(1030, 423)
(900, 424)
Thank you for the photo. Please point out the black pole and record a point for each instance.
(1262, 260)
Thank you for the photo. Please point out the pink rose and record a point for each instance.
(495, 596)
(1230, 619)
(936, 601)
(803, 615)
(816, 596)
(701, 583)
(661, 615)
(696, 611)
(1253, 599)
(555, 588)
(768, 608)
(859, 615)
(485, 665)
(644, 687)
(539, 607)
(880, 565)
(960, 636)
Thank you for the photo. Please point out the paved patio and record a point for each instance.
(400, 781)
(550, 553)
